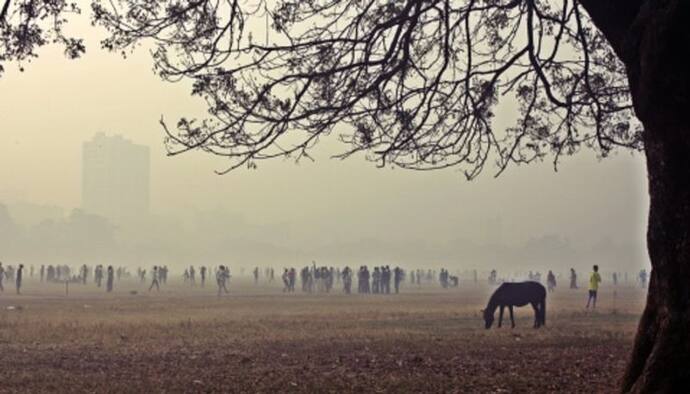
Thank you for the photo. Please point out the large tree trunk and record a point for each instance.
(661, 356)
(659, 73)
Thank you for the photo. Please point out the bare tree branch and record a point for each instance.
(412, 83)
(3, 12)
(30, 24)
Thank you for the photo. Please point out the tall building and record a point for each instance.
(115, 178)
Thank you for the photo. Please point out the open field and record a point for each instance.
(258, 339)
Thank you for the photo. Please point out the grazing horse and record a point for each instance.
(517, 294)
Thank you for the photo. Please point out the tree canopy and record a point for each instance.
(411, 83)
(26, 25)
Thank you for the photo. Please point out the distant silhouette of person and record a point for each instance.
(493, 277)
(346, 273)
(222, 276)
(110, 278)
(594, 280)
(386, 280)
(18, 278)
(43, 272)
(98, 275)
(573, 279)
(154, 279)
(375, 280)
(286, 281)
(397, 278)
(192, 275)
(292, 277)
(202, 272)
(551, 281)
(2, 277)
(84, 273)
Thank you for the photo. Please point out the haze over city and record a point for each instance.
(311, 209)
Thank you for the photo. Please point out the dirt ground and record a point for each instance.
(258, 339)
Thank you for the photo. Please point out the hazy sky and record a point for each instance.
(50, 109)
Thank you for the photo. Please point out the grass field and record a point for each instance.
(257, 339)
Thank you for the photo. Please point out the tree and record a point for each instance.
(416, 83)
(26, 25)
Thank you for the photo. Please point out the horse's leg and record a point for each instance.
(536, 314)
(512, 319)
(500, 316)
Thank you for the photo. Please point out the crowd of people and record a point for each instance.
(313, 278)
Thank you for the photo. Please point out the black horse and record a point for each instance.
(517, 294)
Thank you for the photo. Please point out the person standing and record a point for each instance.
(286, 281)
(347, 280)
(202, 272)
(84, 273)
(2, 277)
(573, 279)
(551, 281)
(594, 280)
(98, 274)
(292, 277)
(221, 279)
(376, 280)
(192, 275)
(18, 278)
(110, 279)
(397, 278)
(386, 280)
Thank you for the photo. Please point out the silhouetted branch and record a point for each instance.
(26, 25)
(412, 83)
(3, 12)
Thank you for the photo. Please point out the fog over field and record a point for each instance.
(283, 213)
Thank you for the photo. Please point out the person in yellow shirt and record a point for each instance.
(594, 280)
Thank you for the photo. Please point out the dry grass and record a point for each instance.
(259, 340)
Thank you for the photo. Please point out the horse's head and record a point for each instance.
(488, 318)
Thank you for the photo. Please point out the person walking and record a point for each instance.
(154, 279)
(594, 281)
